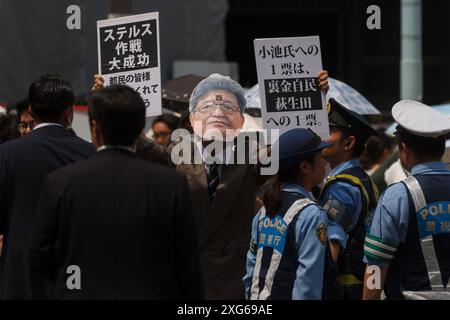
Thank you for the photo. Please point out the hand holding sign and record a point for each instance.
(99, 83)
(323, 81)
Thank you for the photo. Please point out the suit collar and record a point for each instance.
(115, 151)
(50, 129)
(224, 157)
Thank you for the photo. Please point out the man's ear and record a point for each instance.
(91, 128)
(68, 116)
(191, 120)
(31, 112)
(402, 147)
(405, 155)
(96, 136)
(350, 142)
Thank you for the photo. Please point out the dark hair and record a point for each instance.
(424, 148)
(358, 148)
(272, 197)
(22, 106)
(185, 122)
(8, 127)
(374, 149)
(120, 113)
(150, 151)
(168, 119)
(49, 96)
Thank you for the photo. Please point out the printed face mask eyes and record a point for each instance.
(225, 107)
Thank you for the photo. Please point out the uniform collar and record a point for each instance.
(295, 188)
(429, 167)
(48, 124)
(345, 166)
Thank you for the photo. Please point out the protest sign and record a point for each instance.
(288, 71)
(128, 53)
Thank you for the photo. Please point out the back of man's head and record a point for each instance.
(49, 97)
(424, 148)
(119, 111)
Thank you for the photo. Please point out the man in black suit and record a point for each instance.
(116, 226)
(24, 163)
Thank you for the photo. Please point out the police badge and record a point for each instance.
(321, 233)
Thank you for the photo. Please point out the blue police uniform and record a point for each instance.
(398, 232)
(344, 202)
(410, 230)
(288, 251)
(289, 257)
(348, 196)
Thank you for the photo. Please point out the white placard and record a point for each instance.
(288, 70)
(128, 53)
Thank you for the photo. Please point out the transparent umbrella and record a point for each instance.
(350, 98)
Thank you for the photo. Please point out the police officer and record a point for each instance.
(410, 230)
(288, 247)
(348, 195)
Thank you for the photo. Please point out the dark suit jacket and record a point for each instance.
(125, 222)
(24, 163)
(224, 225)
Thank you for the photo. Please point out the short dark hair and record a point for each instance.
(374, 149)
(8, 127)
(22, 106)
(49, 96)
(120, 112)
(360, 142)
(185, 122)
(168, 119)
(423, 147)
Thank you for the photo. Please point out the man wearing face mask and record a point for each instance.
(223, 191)
(23, 165)
(223, 194)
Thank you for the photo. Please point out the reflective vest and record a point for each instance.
(421, 266)
(276, 264)
(350, 263)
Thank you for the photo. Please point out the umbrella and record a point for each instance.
(340, 91)
(253, 101)
(350, 98)
(176, 92)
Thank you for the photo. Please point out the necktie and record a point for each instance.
(212, 174)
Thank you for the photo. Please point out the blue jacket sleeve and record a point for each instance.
(343, 204)
(311, 243)
(389, 226)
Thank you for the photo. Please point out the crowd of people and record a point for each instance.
(118, 218)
